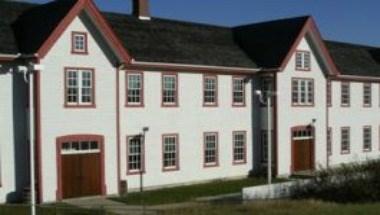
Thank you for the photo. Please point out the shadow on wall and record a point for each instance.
(21, 147)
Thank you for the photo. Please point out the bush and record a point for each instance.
(348, 183)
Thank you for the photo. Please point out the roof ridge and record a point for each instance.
(273, 21)
(185, 22)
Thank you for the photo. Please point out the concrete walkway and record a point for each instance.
(111, 206)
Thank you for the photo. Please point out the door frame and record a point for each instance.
(78, 137)
(297, 128)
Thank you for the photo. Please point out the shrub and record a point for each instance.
(355, 182)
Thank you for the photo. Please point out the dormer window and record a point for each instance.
(79, 43)
(303, 61)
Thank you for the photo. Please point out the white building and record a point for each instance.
(119, 98)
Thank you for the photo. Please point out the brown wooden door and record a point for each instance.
(81, 175)
(303, 155)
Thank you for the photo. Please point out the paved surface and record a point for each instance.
(111, 206)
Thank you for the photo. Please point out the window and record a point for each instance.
(345, 94)
(210, 90)
(169, 90)
(303, 61)
(135, 96)
(264, 146)
(80, 147)
(210, 149)
(135, 155)
(329, 93)
(345, 140)
(367, 95)
(239, 147)
(266, 86)
(367, 138)
(329, 141)
(170, 152)
(302, 92)
(79, 43)
(238, 91)
(79, 87)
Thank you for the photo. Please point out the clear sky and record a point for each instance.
(356, 21)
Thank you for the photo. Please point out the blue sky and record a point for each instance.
(355, 21)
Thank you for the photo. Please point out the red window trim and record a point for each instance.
(215, 104)
(301, 105)
(295, 61)
(341, 94)
(93, 104)
(73, 51)
(234, 104)
(136, 172)
(370, 100)
(244, 161)
(349, 140)
(216, 164)
(177, 167)
(370, 127)
(79, 137)
(174, 105)
(141, 104)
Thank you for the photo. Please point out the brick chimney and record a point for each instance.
(141, 9)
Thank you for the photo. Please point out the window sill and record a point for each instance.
(235, 163)
(136, 172)
(210, 165)
(345, 152)
(79, 106)
(170, 169)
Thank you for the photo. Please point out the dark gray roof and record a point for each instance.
(161, 40)
(9, 12)
(268, 43)
(352, 59)
(24, 27)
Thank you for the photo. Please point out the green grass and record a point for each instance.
(280, 208)
(189, 193)
(52, 209)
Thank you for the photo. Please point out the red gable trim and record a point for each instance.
(90, 7)
(311, 27)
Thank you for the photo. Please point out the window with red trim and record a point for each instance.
(135, 90)
(303, 60)
(367, 95)
(170, 152)
(345, 94)
(210, 149)
(79, 43)
(238, 91)
(169, 90)
(79, 87)
(210, 90)
(367, 139)
(135, 154)
(239, 147)
(302, 92)
(345, 140)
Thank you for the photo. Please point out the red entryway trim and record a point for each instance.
(78, 137)
(302, 128)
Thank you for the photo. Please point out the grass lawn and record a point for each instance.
(191, 192)
(52, 209)
(280, 208)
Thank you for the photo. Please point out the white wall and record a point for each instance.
(289, 116)
(356, 117)
(189, 120)
(58, 121)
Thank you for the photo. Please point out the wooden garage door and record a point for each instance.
(81, 169)
(303, 149)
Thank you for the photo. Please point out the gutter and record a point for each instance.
(191, 67)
